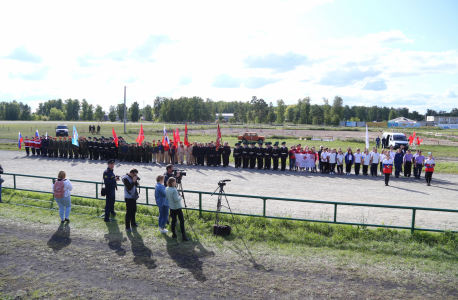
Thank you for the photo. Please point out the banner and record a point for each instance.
(141, 135)
(165, 140)
(218, 137)
(75, 137)
(305, 160)
(186, 142)
(177, 138)
(115, 137)
(367, 138)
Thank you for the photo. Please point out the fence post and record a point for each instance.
(14, 180)
(97, 190)
(200, 205)
(147, 195)
(264, 207)
(412, 228)
(335, 212)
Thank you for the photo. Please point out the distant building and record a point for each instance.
(225, 116)
(437, 120)
(403, 122)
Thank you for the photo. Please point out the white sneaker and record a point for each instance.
(164, 230)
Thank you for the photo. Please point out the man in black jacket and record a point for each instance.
(130, 182)
(283, 155)
(267, 156)
(226, 152)
(109, 179)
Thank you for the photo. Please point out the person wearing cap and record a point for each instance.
(275, 156)
(252, 155)
(44, 146)
(50, 146)
(65, 147)
(38, 145)
(141, 152)
(268, 156)
(181, 151)
(237, 155)
(245, 155)
(226, 153)
(260, 156)
(283, 155)
(398, 160)
(95, 149)
(98, 129)
(154, 151)
(130, 152)
(110, 179)
(75, 150)
(27, 145)
(292, 158)
(202, 154)
(90, 148)
(430, 163)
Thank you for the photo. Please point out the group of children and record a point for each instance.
(331, 161)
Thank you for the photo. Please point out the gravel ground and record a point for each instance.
(353, 189)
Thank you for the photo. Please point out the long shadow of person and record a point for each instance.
(187, 256)
(115, 238)
(142, 254)
(61, 238)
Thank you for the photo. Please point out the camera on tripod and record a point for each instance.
(182, 173)
(223, 182)
(221, 229)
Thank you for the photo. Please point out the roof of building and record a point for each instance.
(402, 119)
(226, 115)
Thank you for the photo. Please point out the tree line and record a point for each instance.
(197, 109)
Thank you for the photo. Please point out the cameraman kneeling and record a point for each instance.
(170, 174)
(175, 207)
(130, 196)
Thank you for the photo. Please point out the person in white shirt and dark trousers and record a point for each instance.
(61, 191)
(375, 157)
(357, 157)
(130, 182)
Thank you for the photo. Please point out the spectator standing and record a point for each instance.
(109, 179)
(419, 163)
(408, 164)
(130, 182)
(430, 163)
(358, 157)
(162, 203)
(349, 159)
(375, 157)
(175, 208)
(398, 160)
(387, 168)
(61, 190)
(377, 142)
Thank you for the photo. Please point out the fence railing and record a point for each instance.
(335, 204)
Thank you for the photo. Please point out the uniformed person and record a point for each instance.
(283, 155)
(275, 156)
(120, 153)
(90, 147)
(125, 150)
(50, 146)
(267, 156)
(260, 155)
(237, 155)
(65, 147)
(252, 153)
(226, 152)
(154, 151)
(245, 155)
(75, 151)
(98, 129)
(95, 149)
(134, 152)
(70, 148)
(109, 179)
(112, 148)
(130, 153)
(219, 153)
(106, 149)
(148, 153)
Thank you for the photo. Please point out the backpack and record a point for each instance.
(58, 190)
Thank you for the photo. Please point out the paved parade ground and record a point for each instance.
(356, 189)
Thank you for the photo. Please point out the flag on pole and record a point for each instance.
(186, 142)
(20, 140)
(46, 135)
(177, 132)
(174, 138)
(75, 137)
(218, 137)
(115, 137)
(165, 140)
(141, 135)
(367, 138)
(37, 134)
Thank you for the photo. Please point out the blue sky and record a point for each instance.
(394, 53)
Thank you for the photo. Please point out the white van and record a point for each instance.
(395, 140)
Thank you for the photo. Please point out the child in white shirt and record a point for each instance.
(332, 161)
(340, 159)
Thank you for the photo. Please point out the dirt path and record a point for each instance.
(73, 263)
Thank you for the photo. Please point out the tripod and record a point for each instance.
(221, 193)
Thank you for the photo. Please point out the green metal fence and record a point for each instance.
(265, 199)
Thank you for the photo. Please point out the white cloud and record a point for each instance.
(450, 94)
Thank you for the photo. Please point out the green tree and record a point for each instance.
(26, 112)
(281, 108)
(134, 112)
(84, 109)
(304, 105)
(337, 108)
(148, 113)
(327, 112)
(232, 120)
(120, 111)
(290, 113)
(112, 113)
(72, 108)
(220, 117)
(56, 114)
(90, 112)
(99, 113)
(317, 114)
(393, 115)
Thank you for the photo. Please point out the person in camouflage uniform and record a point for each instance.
(75, 151)
(120, 154)
(50, 147)
(135, 152)
(60, 147)
(70, 148)
(130, 153)
(65, 147)
(106, 149)
(141, 152)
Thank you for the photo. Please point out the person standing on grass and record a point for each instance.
(61, 191)
(109, 179)
(1, 181)
(377, 141)
(175, 207)
(387, 168)
(430, 163)
(408, 164)
(130, 196)
(162, 203)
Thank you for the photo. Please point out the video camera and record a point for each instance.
(182, 173)
(223, 182)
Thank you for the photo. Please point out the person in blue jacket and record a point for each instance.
(398, 161)
(109, 179)
(349, 159)
(162, 203)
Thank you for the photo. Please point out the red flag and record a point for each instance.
(165, 144)
(410, 140)
(419, 141)
(177, 132)
(115, 137)
(414, 135)
(141, 135)
(186, 142)
(218, 137)
(174, 141)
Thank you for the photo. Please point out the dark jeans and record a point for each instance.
(374, 169)
(357, 167)
(333, 167)
(365, 167)
(109, 204)
(387, 178)
(174, 213)
(131, 210)
(428, 177)
(408, 169)
(348, 167)
(419, 168)
(339, 168)
(397, 170)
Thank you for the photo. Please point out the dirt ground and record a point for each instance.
(350, 189)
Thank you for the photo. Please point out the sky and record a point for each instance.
(385, 53)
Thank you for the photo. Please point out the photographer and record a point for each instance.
(170, 173)
(109, 179)
(175, 207)
(130, 196)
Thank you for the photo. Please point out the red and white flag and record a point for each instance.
(141, 135)
(115, 137)
(218, 137)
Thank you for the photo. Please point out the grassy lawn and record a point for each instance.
(269, 258)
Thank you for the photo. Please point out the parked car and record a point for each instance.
(62, 130)
(251, 136)
(395, 140)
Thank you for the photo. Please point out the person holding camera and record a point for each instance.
(109, 179)
(61, 191)
(162, 203)
(130, 181)
(175, 207)
(170, 173)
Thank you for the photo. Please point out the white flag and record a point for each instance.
(367, 138)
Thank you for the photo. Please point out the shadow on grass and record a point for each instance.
(142, 254)
(61, 238)
(187, 256)
(115, 238)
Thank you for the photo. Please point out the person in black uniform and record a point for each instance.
(245, 155)
(267, 156)
(207, 154)
(213, 154)
(90, 146)
(283, 155)
(252, 151)
(226, 152)
(260, 155)
(106, 149)
(98, 129)
(275, 156)
(112, 148)
(237, 155)
(219, 154)
(95, 149)
(109, 179)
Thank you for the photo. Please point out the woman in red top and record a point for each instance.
(292, 158)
